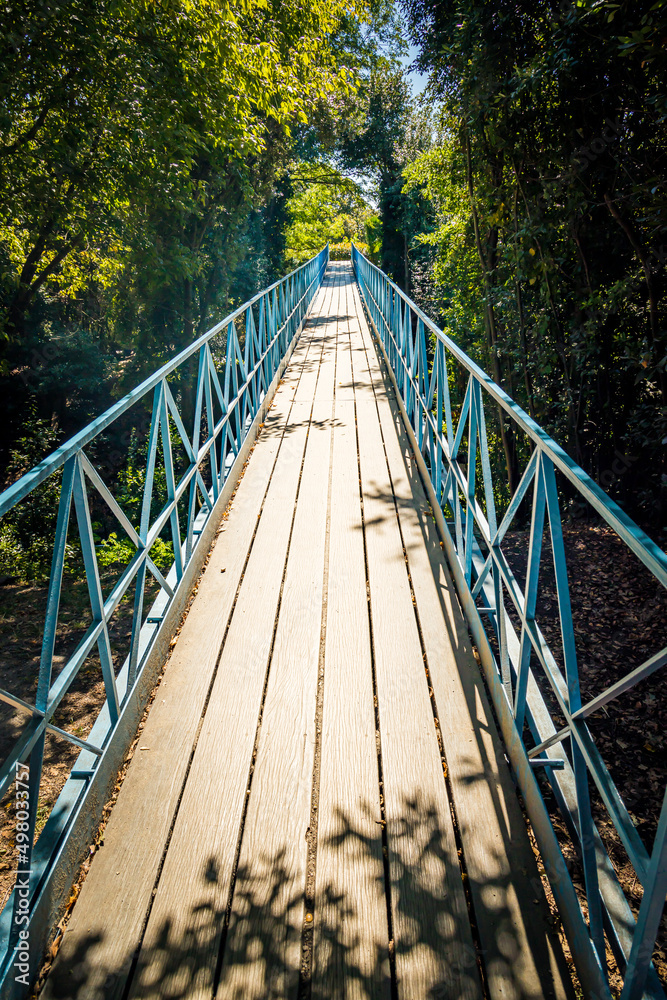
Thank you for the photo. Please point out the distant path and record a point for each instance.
(319, 804)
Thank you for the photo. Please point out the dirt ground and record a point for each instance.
(620, 619)
(21, 624)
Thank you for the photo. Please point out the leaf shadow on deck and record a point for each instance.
(255, 953)
(250, 947)
(329, 319)
(484, 763)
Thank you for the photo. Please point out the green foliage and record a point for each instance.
(374, 237)
(134, 138)
(131, 477)
(547, 181)
(388, 131)
(143, 150)
(436, 174)
(28, 530)
(115, 551)
(368, 37)
(326, 207)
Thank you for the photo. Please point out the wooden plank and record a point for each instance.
(434, 950)
(182, 940)
(315, 333)
(350, 955)
(364, 384)
(351, 937)
(521, 957)
(100, 939)
(344, 383)
(263, 946)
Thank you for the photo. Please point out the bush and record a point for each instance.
(28, 529)
(119, 551)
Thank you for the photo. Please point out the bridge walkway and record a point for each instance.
(319, 803)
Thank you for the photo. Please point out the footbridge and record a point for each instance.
(336, 755)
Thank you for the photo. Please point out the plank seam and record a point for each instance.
(239, 842)
(434, 708)
(135, 958)
(376, 703)
(308, 932)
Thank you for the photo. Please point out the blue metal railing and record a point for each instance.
(450, 454)
(227, 407)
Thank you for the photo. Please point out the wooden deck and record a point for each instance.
(319, 803)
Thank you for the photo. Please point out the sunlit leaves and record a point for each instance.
(546, 182)
(325, 208)
(110, 110)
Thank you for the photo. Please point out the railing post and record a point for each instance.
(650, 914)
(531, 590)
(585, 819)
(94, 587)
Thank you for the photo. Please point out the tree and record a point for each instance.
(114, 115)
(326, 207)
(555, 116)
(137, 145)
(390, 131)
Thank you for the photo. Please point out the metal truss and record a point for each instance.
(236, 365)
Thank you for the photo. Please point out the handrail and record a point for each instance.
(473, 537)
(40, 472)
(228, 406)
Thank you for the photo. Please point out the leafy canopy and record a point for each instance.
(326, 207)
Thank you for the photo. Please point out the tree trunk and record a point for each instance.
(506, 432)
(654, 315)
